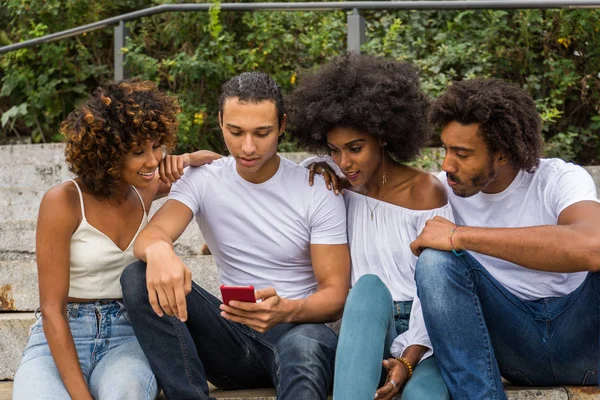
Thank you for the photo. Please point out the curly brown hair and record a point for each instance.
(508, 120)
(105, 127)
(373, 95)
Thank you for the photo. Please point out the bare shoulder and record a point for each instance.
(61, 204)
(427, 191)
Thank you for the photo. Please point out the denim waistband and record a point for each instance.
(402, 308)
(106, 306)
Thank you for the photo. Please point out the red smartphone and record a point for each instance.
(239, 293)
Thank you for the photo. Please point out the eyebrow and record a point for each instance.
(349, 143)
(259, 128)
(458, 148)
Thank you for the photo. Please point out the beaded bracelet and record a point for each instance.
(406, 363)
(456, 252)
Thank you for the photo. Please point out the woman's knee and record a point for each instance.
(369, 292)
(38, 378)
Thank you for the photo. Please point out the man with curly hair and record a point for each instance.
(511, 289)
(266, 228)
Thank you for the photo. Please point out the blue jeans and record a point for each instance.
(370, 324)
(110, 357)
(480, 331)
(297, 359)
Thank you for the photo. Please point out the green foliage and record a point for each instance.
(554, 54)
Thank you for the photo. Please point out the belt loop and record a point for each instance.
(37, 313)
(74, 310)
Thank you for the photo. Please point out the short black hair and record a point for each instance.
(377, 96)
(506, 114)
(253, 87)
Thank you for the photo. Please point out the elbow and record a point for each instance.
(592, 255)
(338, 308)
(337, 314)
(593, 262)
(53, 318)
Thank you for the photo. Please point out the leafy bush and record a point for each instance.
(554, 54)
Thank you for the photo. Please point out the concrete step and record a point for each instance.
(19, 286)
(23, 186)
(512, 392)
(19, 235)
(19, 292)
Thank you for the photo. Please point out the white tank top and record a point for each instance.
(96, 262)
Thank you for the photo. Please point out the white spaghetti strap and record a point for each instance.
(80, 199)
(141, 200)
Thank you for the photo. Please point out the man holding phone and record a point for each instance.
(266, 228)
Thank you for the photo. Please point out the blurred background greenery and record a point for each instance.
(554, 54)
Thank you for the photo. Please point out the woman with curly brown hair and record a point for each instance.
(82, 345)
(370, 115)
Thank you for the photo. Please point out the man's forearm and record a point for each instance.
(150, 238)
(325, 305)
(554, 248)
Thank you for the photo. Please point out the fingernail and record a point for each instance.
(222, 306)
(376, 395)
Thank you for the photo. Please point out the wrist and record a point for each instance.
(458, 237)
(289, 310)
(157, 249)
(408, 367)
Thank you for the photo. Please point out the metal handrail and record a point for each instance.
(310, 6)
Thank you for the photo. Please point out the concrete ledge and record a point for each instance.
(512, 392)
(19, 285)
(19, 235)
(14, 333)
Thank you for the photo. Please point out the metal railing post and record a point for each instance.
(356, 31)
(121, 33)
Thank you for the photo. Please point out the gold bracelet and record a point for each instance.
(406, 363)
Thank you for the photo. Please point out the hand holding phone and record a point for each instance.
(239, 293)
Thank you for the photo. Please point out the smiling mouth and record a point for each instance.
(352, 175)
(147, 174)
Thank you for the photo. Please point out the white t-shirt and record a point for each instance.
(260, 234)
(530, 200)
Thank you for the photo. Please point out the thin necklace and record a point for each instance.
(383, 182)
(374, 208)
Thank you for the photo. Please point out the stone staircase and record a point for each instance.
(26, 173)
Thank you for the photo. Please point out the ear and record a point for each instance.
(220, 119)
(283, 124)
(501, 159)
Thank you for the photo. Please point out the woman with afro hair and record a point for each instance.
(370, 115)
(82, 345)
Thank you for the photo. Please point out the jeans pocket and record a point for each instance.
(37, 326)
(590, 378)
(515, 376)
